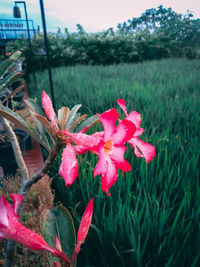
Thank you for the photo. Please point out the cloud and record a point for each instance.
(93, 15)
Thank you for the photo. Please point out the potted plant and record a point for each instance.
(7, 158)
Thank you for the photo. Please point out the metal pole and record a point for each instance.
(26, 15)
(27, 24)
(29, 65)
(47, 53)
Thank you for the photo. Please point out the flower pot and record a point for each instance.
(7, 158)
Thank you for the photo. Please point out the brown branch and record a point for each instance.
(16, 150)
(44, 170)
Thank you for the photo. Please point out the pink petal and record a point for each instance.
(139, 132)
(13, 230)
(122, 104)
(17, 198)
(57, 243)
(3, 212)
(84, 130)
(26, 237)
(85, 223)
(32, 240)
(147, 150)
(85, 140)
(48, 108)
(81, 149)
(108, 119)
(69, 166)
(109, 177)
(117, 155)
(102, 164)
(135, 117)
(107, 168)
(124, 131)
(83, 228)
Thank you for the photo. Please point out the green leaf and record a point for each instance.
(59, 222)
(88, 123)
(8, 63)
(77, 121)
(32, 104)
(48, 139)
(41, 121)
(63, 114)
(73, 120)
(46, 124)
(15, 55)
(9, 80)
(21, 123)
(72, 116)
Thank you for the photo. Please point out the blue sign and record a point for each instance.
(12, 29)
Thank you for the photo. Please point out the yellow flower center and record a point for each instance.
(107, 146)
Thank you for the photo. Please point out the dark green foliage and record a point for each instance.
(176, 26)
(156, 34)
(152, 217)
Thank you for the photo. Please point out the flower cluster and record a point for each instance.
(109, 145)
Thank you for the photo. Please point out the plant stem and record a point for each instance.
(26, 185)
(44, 170)
(16, 150)
(10, 253)
(11, 248)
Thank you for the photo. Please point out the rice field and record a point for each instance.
(152, 216)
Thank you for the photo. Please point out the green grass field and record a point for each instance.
(152, 216)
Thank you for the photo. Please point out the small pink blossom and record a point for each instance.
(8, 54)
(49, 110)
(141, 148)
(83, 228)
(69, 165)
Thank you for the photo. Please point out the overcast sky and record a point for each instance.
(93, 15)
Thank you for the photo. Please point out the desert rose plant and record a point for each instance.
(66, 132)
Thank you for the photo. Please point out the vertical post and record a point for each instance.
(29, 65)
(47, 53)
(26, 16)
(27, 24)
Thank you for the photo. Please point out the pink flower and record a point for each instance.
(141, 148)
(111, 148)
(83, 228)
(11, 229)
(69, 165)
(8, 54)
